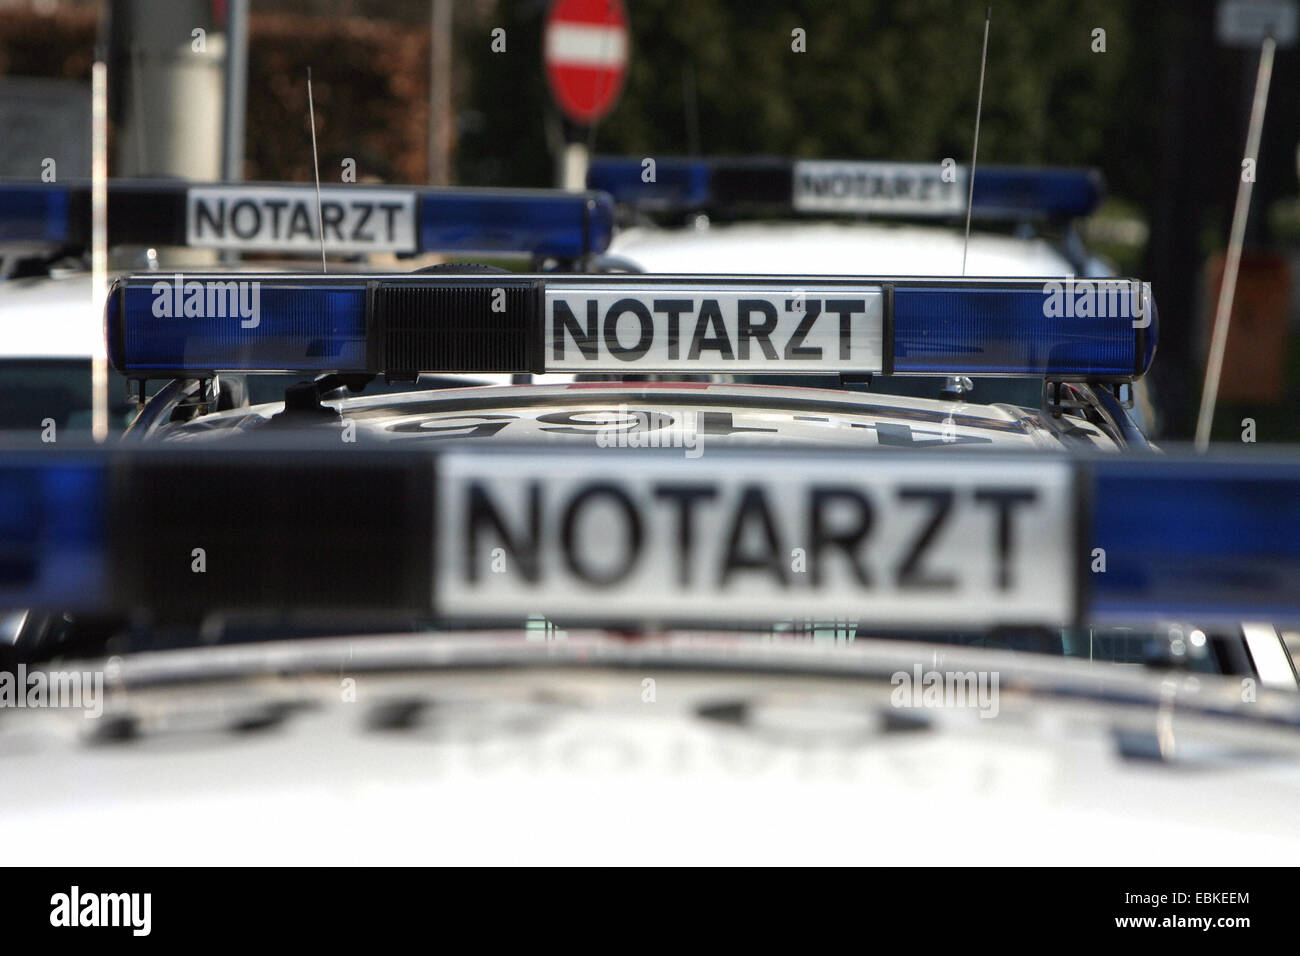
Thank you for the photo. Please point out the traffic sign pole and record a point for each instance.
(573, 173)
(585, 48)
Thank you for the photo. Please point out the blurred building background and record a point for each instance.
(1162, 111)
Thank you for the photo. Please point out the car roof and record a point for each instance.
(56, 316)
(725, 414)
(835, 248)
(44, 317)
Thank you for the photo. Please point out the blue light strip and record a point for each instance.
(680, 184)
(1010, 192)
(52, 532)
(1196, 540)
(1102, 330)
(673, 183)
(537, 222)
(237, 324)
(34, 212)
(1022, 328)
(1203, 542)
(559, 225)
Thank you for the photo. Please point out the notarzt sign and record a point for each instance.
(276, 218)
(895, 542)
(917, 189)
(667, 328)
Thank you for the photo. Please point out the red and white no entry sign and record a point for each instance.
(585, 50)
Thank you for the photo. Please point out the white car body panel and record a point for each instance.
(834, 248)
(574, 762)
(50, 318)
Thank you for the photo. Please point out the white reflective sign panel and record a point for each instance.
(901, 189)
(683, 328)
(285, 219)
(648, 536)
(1247, 22)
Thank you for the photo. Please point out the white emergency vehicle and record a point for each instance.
(51, 320)
(589, 602)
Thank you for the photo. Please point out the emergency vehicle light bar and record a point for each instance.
(195, 325)
(926, 190)
(1197, 540)
(283, 218)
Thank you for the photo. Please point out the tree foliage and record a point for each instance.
(895, 80)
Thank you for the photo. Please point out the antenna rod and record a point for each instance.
(315, 161)
(99, 243)
(975, 151)
(1232, 261)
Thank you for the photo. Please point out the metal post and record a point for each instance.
(235, 100)
(1232, 260)
(440, 105)
(576, 160)
(236, 89)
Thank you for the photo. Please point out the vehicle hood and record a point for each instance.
(676, 749)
